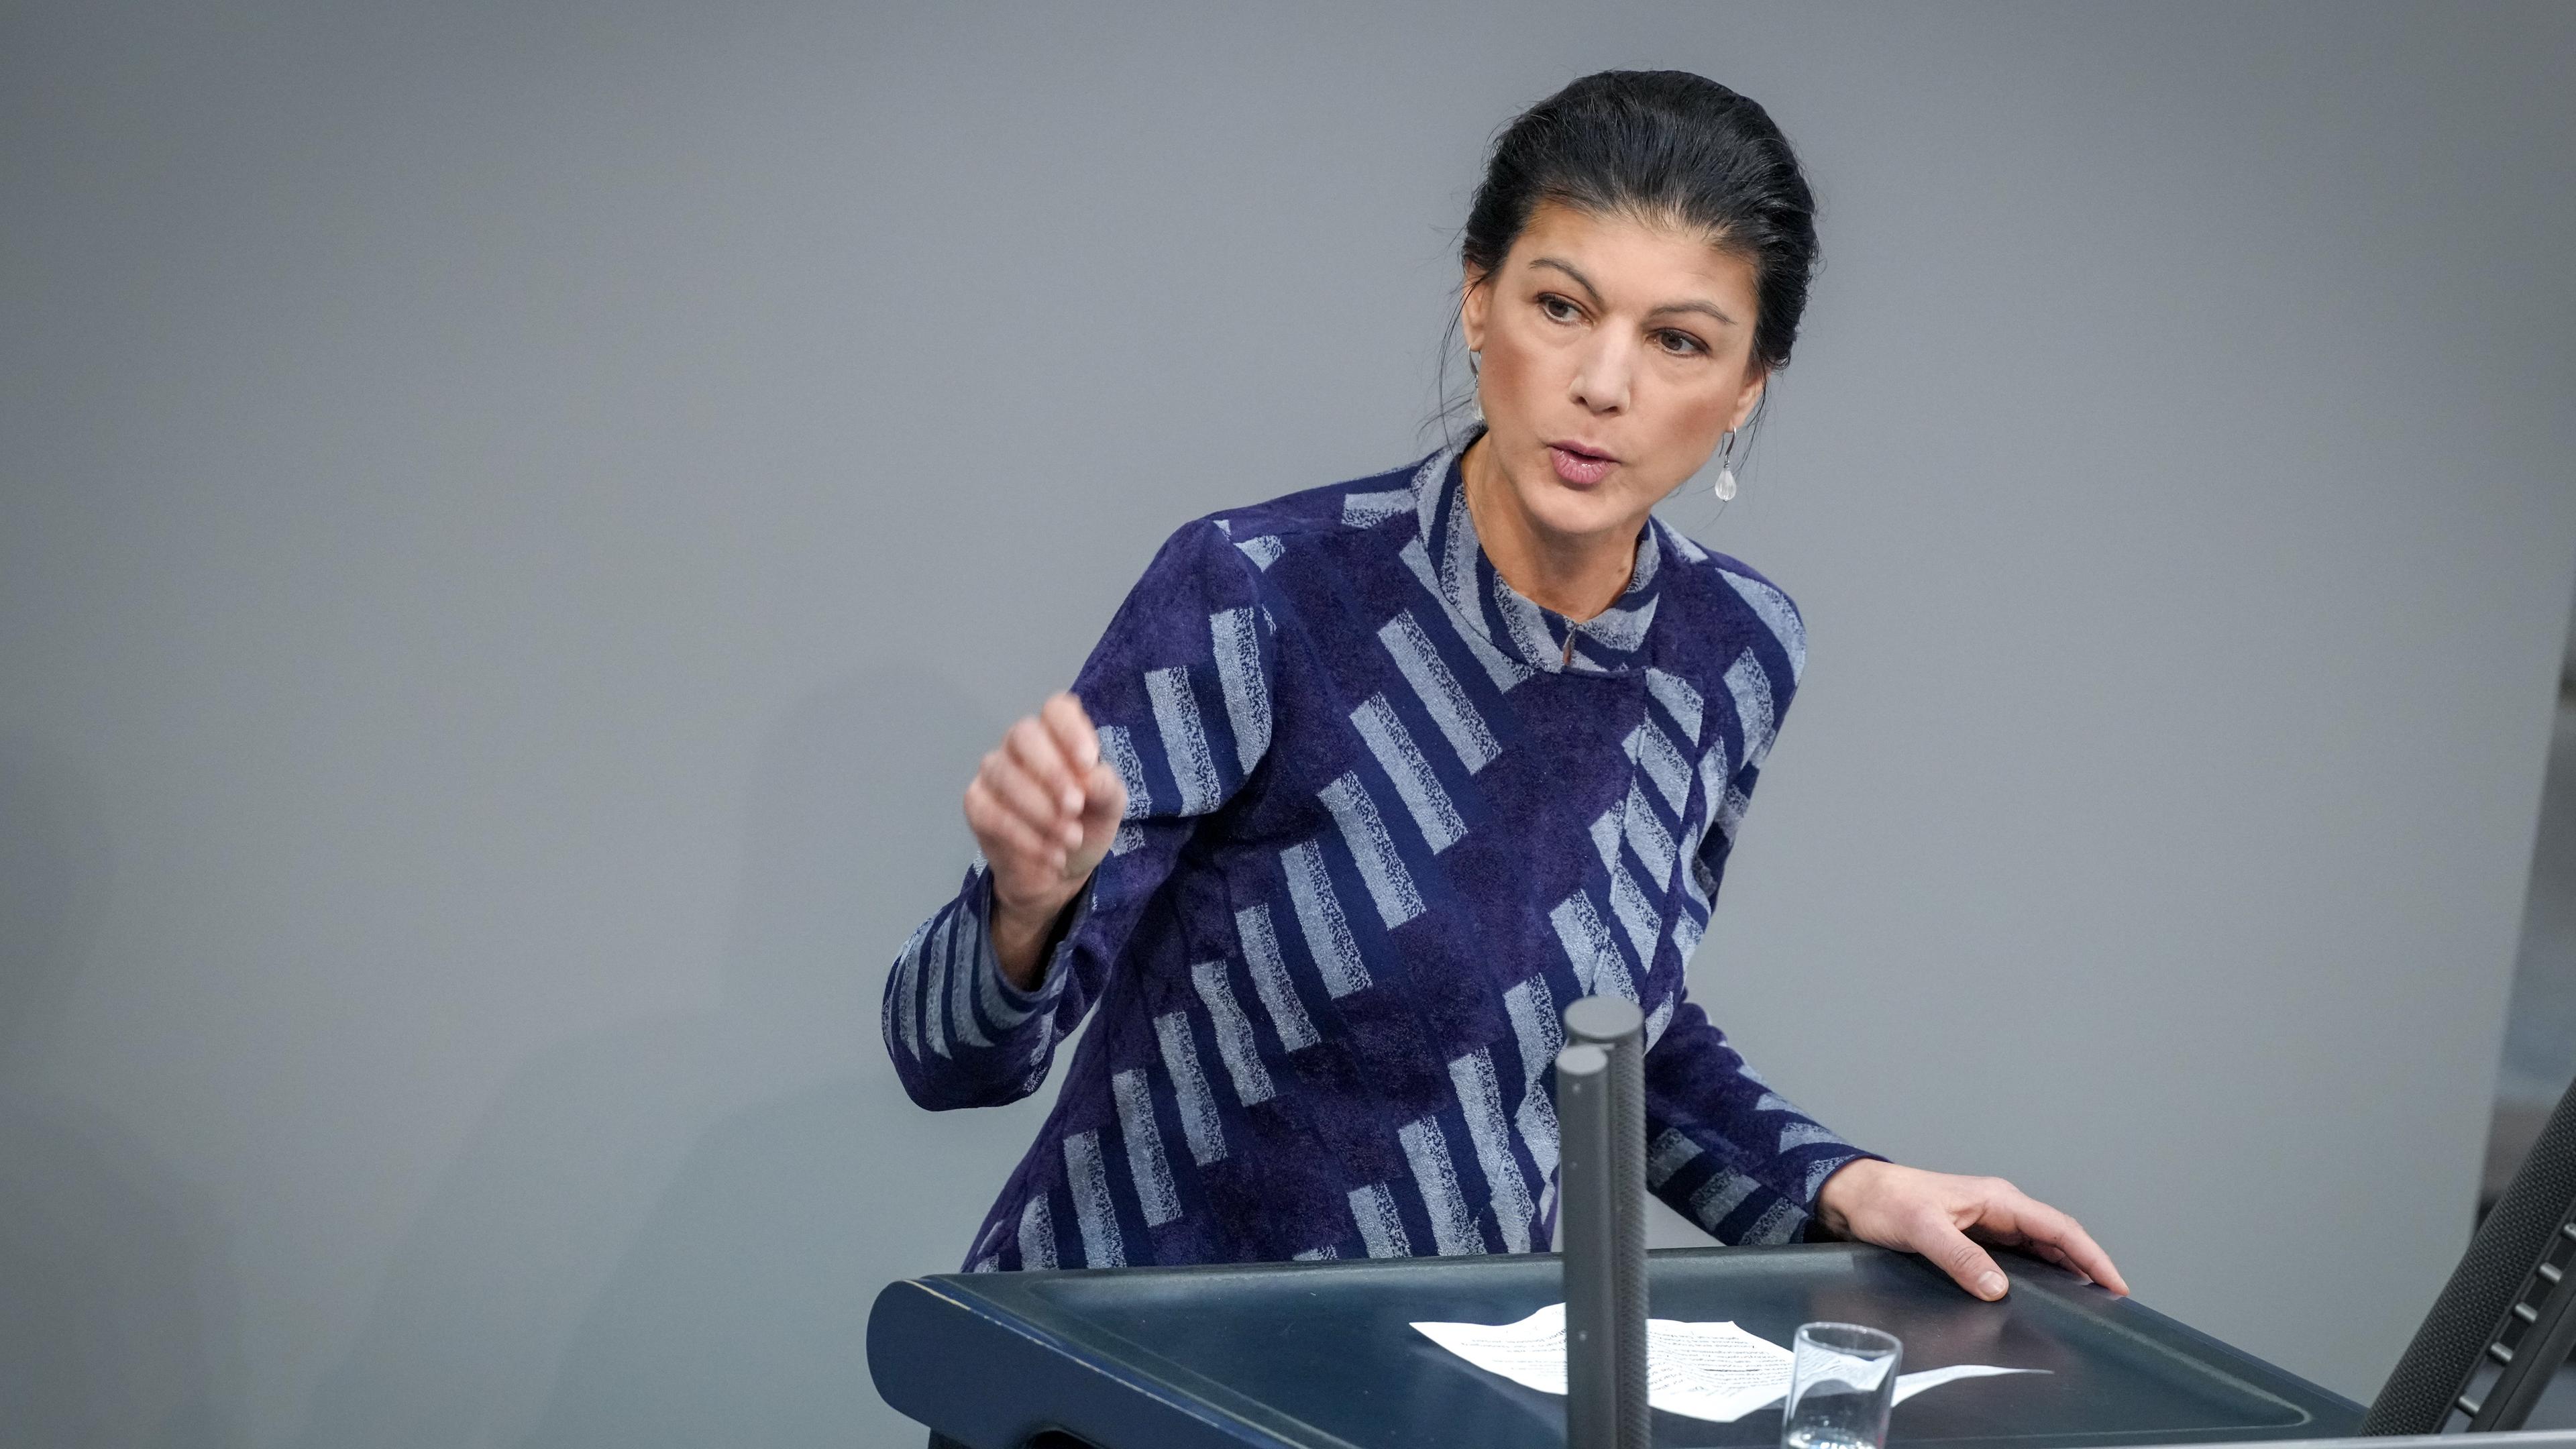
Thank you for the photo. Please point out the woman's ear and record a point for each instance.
(1474, 298)
(1750, 396)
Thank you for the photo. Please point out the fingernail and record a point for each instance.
(1991, 1286)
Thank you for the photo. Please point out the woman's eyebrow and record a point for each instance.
(1580, 280)
(1709, 308)
(1594, 293)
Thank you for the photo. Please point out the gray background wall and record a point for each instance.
(516, 521)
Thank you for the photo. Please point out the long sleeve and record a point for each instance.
(1180, 689)
(1723, 1148)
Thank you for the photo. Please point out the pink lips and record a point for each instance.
(1578, 466)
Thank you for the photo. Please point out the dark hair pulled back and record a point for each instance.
(1670, 147)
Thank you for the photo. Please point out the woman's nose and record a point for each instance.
(1601, 382)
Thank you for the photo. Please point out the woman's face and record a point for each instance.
(1616, 352)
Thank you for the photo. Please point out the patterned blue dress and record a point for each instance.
(1386, 818)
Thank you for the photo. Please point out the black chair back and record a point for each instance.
(2509, 1309)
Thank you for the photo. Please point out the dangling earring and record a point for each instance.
(1725, 473)
(1475, 399)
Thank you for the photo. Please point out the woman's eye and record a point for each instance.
(1557, 309)
(1681, 344)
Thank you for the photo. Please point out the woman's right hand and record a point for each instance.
(1044, 807)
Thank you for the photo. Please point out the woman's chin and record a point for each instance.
(1578, 512)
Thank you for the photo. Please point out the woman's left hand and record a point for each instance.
(1945, 1217)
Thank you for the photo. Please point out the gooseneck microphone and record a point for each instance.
(1601, 1114)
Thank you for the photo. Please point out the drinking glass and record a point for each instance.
(1841, 1385)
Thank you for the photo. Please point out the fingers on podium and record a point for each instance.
(1962, 1259)
(2015, 1218)
(2074, 1247)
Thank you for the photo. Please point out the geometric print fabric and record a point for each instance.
(1386, 818)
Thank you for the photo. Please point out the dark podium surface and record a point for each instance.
(1321, 1354)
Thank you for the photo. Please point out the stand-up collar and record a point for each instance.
(1610, 642)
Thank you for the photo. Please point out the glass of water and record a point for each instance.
(1841, 1385)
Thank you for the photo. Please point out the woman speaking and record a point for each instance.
(1363, 785)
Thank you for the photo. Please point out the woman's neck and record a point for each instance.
(1575, 575)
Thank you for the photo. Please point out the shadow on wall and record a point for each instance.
(2540, 1026)
(671, 1232)
(116, 1316)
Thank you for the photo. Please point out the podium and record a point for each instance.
(1319, 1354)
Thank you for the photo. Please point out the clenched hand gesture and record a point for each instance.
(1044, 808)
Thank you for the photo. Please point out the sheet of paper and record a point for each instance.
(1706, 1370)
(1908, 1385)
(1713, 1371)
